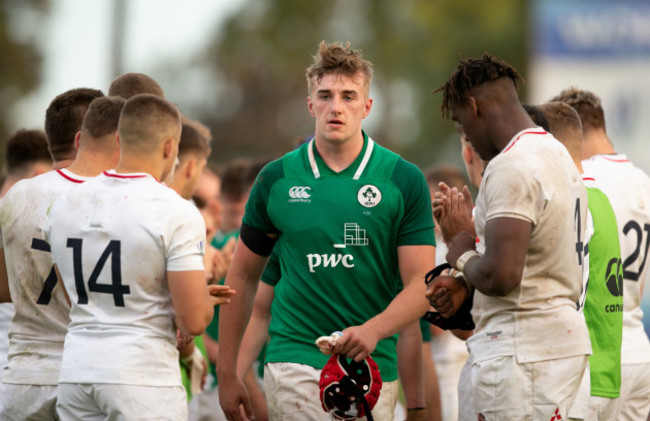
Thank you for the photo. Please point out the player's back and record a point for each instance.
(628, 190)
(113, 240)
(40, 323)
(535, 180)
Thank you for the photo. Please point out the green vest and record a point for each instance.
(603, 308)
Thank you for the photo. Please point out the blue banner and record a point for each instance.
(591, 28)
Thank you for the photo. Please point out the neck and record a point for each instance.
(91, 164)
(579, 165)
(513, 123)
(64, 163)
(140, 164)
(596, 142)
(339, 156)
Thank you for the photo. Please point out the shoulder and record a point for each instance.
(173, 202)
(407, 168)
(43, 188)
(40, 182)
(274, 170)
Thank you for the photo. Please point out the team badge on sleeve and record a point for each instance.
(369, 196)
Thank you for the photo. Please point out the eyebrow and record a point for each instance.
(329, 91)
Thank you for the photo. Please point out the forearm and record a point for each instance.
(487, 277)
(410, 366)
(186, 351)
(252, 343)
(243, 277)
(233, 319)
(499, 270)
(407, 307)
(211, 348)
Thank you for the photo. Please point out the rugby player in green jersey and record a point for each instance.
(348, 218)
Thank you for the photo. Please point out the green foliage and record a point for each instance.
(260, 55)
(19, 58)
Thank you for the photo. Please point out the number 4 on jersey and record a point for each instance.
(113, 249)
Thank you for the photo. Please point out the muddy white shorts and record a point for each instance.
(292, 394)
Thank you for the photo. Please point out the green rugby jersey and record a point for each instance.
(603, 308)
(337, 247)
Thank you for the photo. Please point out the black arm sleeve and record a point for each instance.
(257, 241)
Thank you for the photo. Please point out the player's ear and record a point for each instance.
(468, 154)
(473, 106)
(310, 107)
(77, 139)
(367, 107)
(190, 167)
(168, 148)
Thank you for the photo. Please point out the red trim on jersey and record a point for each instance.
(519, 137)
(615, 160)
(116, 175)
(67, 177)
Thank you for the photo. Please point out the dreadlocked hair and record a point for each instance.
(470, 73)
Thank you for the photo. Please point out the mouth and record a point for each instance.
(336, 123)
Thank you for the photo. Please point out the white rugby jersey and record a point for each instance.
(40, 322)
(534, 179)
(628, 190)
(6, 313)
(113, 240)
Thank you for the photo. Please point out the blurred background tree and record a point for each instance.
(20, 58)
(253, 90)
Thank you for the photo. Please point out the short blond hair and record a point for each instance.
(146, 120)
(564, 124)
(130, 84)
(102, 116)
(587, 104)
(338, 58)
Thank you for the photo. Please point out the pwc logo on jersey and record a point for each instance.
(299, 194)
(353, 236)
(369, 196)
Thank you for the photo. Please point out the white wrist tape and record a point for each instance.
(194, 364)
(464, 258)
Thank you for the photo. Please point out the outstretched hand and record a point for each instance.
(220, 294)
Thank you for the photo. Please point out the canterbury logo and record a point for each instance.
(614, 277)
(299, 192)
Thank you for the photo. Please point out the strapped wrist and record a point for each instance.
(194, 356)
(464, 258)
